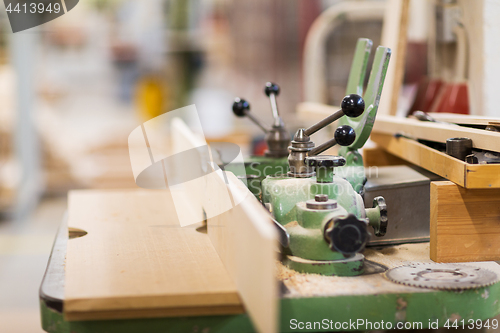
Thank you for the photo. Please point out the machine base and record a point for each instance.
(347, 267)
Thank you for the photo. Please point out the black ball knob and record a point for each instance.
(240, 107)
(345, 135)
(353, 105)
(272, 88)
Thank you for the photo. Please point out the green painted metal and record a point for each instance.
(359, 64)
(324, 174)
(422, 307)
(53, 322)
(260, 167)
(283, 193)
(310, 253)
(373, 215)
(306, 236)
(340, 267)
(434, 307)
(364, 123)
(353, 170)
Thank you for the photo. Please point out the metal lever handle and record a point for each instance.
(241, 108)
(344, 136)
(352, 106)
(272, 90)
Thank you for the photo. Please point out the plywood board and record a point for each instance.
(242, 233)
(465, 223)
(136, 261)
(464, 174)
(246, 240)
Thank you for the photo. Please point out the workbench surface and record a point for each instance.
(305, 298)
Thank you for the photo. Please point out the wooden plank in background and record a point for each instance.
(464, 174)
(394, 36)
(423, 156)
(136, 261)
(463, 119)
(378, 156)
(465, 223)
(425, 130)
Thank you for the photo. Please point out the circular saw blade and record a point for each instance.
(442, 276)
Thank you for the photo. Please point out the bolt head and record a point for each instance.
(321, 198)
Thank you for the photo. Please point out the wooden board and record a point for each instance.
(241, 232)
(246, 241)
(377, 156)
(394, 36)
(413, 128)
(463, 119)
(136, 261)
(461, 173)
(465, 223)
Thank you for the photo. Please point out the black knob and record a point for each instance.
(346, 235)
(353, 105)
(271, 88)
(240, 107)
(345, 135)
(325, 161)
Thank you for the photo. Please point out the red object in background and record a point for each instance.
(259, 147)
(428, 90)
(453, 99)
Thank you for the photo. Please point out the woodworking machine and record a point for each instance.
(318, 201)
(323, 215)
(274, 160)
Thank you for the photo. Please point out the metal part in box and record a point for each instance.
(407, 194)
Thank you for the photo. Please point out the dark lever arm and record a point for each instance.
(344, 136)
(272, 90)
(352, 106)
(241, 108)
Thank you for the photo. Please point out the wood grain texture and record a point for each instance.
(423, 156)
(481, 139)
(378, 156)
(242, 234)
(464, 174)
(246, 241)
(465, 223)
(136, 258)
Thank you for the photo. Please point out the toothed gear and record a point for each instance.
(442, 276)
(380, 203)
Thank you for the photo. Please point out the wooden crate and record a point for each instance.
(464, 223)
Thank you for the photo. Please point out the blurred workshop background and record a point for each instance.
(73, 89)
